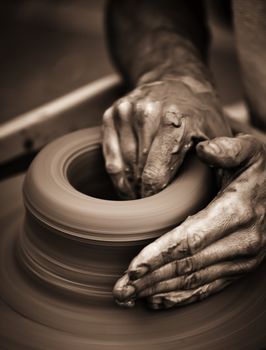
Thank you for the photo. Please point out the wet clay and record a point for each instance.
(61, 255)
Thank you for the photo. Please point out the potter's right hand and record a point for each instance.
(147, 133)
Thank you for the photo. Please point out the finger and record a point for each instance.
(146, 122)
(127, 139)
(166, 153)
(196, 279)
(113, 157)
(221, 217)
(239, 244)
(229, 152)
(123, 291)
(179, 298)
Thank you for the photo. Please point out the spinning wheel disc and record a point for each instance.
(39, 314)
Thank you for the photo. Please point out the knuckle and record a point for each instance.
(166, 118)
(184, 266)
(254, 244)
(242, 210)
(124, 109)
(152, 108)
(246, 213)
(142, 113)
(192, 280)
(243, 267)
(143, 283)
(194, 241)
(171, 117)
(204, 291)
(151, 111)
(147, 110)
(113, 168)
(248, 266)
(140, 106)
(107, 116)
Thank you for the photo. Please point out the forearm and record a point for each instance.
(151, 40)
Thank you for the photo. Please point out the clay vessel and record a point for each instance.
(61, 255)
(77, 236)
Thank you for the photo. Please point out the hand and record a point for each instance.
(219, 244)
(147, 133)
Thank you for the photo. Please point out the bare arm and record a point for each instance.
(149, 39)
(160, 47)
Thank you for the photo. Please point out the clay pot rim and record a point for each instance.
(50, 197)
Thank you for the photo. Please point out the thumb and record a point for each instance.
(229, 152)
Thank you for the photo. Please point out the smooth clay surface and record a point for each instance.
(60, 258)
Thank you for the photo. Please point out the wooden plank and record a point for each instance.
(80, 108)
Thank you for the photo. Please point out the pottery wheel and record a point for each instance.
(55, 296)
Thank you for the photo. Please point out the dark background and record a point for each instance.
(48, 48)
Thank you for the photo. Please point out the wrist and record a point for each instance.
(195, 84)
(182, 63)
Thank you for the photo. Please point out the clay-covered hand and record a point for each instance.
(219, 244)
(147, 133)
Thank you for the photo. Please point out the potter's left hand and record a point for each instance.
(209, 250)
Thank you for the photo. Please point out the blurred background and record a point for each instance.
(49, 48)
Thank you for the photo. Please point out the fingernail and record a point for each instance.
(138, 272)
(213, 147)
